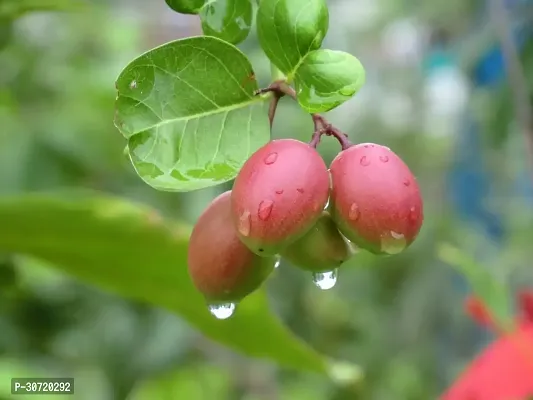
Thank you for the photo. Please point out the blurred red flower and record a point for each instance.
(504, 370)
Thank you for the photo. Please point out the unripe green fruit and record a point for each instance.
(375, 199)
(221, 267)
(278, 195)
(321, 249)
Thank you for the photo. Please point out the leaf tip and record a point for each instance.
(345, 373)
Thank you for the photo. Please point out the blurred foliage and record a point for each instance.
(399, 317)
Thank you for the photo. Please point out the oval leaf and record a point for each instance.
(189, 113)
(229, 20)
(131, 250)
(289, 29)
(326, 79)
(186, 6)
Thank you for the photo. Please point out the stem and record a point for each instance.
(517, 80)
(322, 127)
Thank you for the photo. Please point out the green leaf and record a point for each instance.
(326, 79)
(6, 32)
(229, 20)
(16, 8)
(289, 29)
(490, 290)
(200, 382)
(189, 113)
(130, 250)
(186, 6)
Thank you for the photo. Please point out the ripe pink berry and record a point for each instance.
(375, 199)
(221, 267)
(278, 195)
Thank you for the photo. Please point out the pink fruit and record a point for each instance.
(221, 267)
(375, 199)
(278, 195)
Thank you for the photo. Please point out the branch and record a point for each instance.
(322, 126)
(517, 80)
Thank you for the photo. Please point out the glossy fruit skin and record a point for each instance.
(375, 199)
(221, 267)
(278, 195)
(321, 249)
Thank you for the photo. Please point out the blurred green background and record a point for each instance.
(434, 94)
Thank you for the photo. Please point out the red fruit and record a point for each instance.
(278, 195)
(375, 199)
(220, 266)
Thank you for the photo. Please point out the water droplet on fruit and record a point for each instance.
(393, 243)
(354, 213)
(412, 214)
(384, 159)
(406, 182)
(245, 223)
(365, 161)
(325, 280)
(222, 311)
(300, 190)
(277, 261)
(271, 158)
(279, 191)
(265, 209)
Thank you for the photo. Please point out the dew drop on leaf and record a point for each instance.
(347, 91)
(325, 280)
(277, 262)
(222, 311)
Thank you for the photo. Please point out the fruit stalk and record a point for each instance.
(322, 127)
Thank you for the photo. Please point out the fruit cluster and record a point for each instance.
(286, 203)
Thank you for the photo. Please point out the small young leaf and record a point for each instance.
(326, 79)
(186, 6)
(189, 113)
(289, 29)
(132, 251)
(229, 20)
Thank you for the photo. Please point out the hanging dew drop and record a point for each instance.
(222, 311)
(325, 280)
